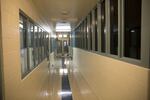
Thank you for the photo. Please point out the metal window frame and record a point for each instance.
(108, 30)
(145, 43)
(106, 35)
(37, 41)
(93, 29)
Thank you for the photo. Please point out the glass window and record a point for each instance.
(103, 27)
(23, 44)
(79, 36)
(132, 29)
(36, 44)
(31, 45)
(47, 46)
(90, 30)
(96, 33)
(43, 44)
(40, 45)
(86, 33)
(23, 31)
(114, 27)
(83, 38)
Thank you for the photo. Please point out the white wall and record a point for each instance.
(111, 79)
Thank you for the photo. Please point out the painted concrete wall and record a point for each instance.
(33, 86)
(111, 79)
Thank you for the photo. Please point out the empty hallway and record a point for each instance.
(74, 50)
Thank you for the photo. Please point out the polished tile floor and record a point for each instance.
(67, 83)
(60, 80)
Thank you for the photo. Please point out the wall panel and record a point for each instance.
(111, 79)
(33, 85)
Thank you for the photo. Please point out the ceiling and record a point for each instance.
(64, 10)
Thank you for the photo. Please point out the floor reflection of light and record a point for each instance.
(63, 71)
(65, 93)
(66, 62)
(46, 93)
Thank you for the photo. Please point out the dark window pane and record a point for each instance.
(132, 29)
(103, 22)
(114, 27)
(86, 30)
(30, 45)
(36, 44)
(43, 44)
(84, 35)
(80, 36)
(23, 44)
(23, 31)
(90, 31)
(96, 36)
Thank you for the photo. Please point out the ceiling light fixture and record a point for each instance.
(63, 27)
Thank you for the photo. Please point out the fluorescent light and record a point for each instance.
(63, 27)
(63, 30)
(65, 36)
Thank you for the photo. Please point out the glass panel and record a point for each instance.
(40, 45)
(83, 39)
(86, 34)
(36, 44)
(114, 27)
(103, 30)
(96, 36)
(132, 29)
(79, 39)
(23, 31)
(23, 44)
(30, 45)
(47, 46)
(90, 30)
(43, 44)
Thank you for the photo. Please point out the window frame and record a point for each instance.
(105, 28)
(145, 41)
(109, 30)
(30, 22)
(23, 74)
(95, 28)
(35, 42)
(144, 61)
